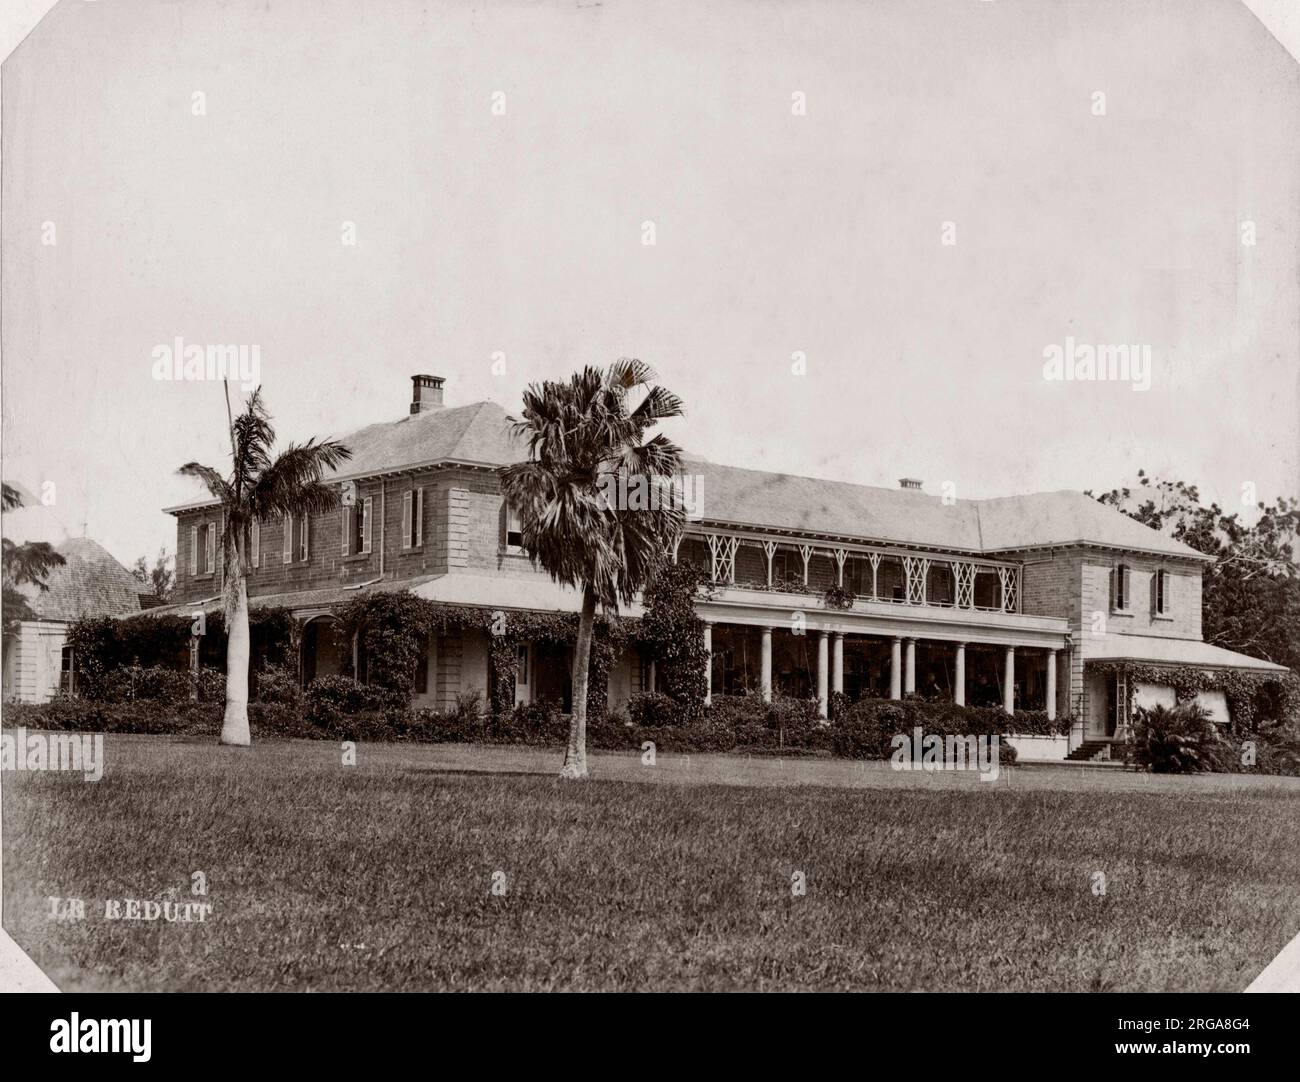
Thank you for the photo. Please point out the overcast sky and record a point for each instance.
(774, 232)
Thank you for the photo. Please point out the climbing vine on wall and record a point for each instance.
(1251, 700)
(103, 644)
(392, 628)
(673, 634)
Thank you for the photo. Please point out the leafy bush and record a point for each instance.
(1178, 740)
(133, 716)
(329, 700)
(538, 722)
(277, 684)
(865, 729)
(653, 710)
(838, 597)
(129, 682)
(785, 722)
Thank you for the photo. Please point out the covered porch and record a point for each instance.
(983, 659)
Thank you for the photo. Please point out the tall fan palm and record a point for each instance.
(259, 488)
(581, 435)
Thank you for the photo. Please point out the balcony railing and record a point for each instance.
(811, 590)
(916, 568)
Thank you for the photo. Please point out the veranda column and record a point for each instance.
(1051, 685)
(896, 670)
(909, 672)
(708, 663)
(766, 678)
(1009, 682)
(959, 685)
(837, 664)
(822, 644)
(653, 680)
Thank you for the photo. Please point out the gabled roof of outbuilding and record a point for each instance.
(90, 583)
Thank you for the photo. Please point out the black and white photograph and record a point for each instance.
(730, 496)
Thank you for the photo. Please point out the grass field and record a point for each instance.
(677, 876)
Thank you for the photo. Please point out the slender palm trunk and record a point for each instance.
(575, 757)
(234, 727)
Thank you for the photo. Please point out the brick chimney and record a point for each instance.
(909, 482)
(426, 394)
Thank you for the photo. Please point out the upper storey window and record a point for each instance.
(356, 527)
(1120, 589)
(1160, 591)
(514, 533)
(203, 548)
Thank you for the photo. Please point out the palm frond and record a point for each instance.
(212, 480)
(580, 434)
(29, 563)
(279, 488)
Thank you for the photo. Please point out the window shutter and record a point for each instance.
(347, 527)
(419, 516)
(255, 541)
(306, 535)
(407, 500)
(286, 547)
(194, 550)
(365, 538)
(1125, 600)
(212, 548)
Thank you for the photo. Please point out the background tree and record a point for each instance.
(1251, 593)
(28, 563)
(161, 578)
(583, 435)
(258, 488)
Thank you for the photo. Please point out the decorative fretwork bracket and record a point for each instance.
(1010, 579)
(917, 569)
(723, 549)
(963, 572)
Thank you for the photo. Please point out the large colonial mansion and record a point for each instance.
(1024, 601)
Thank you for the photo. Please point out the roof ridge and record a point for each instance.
(906, 493)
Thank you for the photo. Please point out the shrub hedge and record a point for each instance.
(338, 708)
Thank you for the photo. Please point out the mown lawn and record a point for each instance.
(379, 875)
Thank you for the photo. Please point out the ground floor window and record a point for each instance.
(67, 672)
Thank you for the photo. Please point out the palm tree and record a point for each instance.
(259, 488)
(582, 434)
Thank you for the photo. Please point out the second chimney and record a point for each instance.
(426, 394)
(909, 482)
